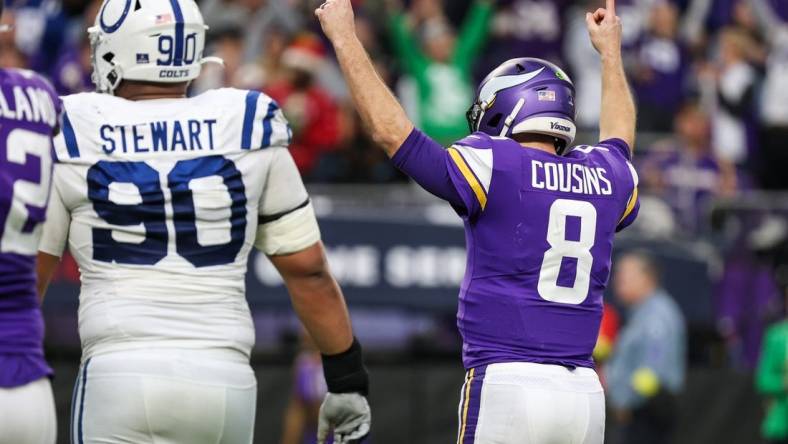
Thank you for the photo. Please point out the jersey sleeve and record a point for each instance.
(67, 143)
(621, 158)
(633, 202)
(287, 222)
(461, 174)
(54, 235)
(264, 124)
(618, 147)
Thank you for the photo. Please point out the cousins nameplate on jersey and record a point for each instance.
(570, 178)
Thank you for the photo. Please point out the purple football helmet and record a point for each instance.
(526, 95)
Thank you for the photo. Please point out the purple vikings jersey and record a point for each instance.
(29, 115)
(539, 233)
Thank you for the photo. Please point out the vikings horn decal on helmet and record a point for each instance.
(526, 95)
(147, 40)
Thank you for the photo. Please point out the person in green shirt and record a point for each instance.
(772, 381)
(442, 67)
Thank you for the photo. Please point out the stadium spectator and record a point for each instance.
(441, 66)
(355, 162)
(684, 172)
(312, 112)
(583, 61)
(228, 44)
(585, 66)
(731, 84)
(772, 381)
(635, 13)
(773, 15)
(532, 28)
(647, 368)
(72, 70)
(704, 19)
(41, 30)
(660, 69)
(10, 54)
(258, 18)
(747, 295)
(270, 62)
(309, 389)
(608, 333)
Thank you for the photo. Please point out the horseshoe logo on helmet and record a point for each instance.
(109, 29)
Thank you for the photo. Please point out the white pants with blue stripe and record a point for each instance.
(164, 397)
(27, 414)
(524, 403)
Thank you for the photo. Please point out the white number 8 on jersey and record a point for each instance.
(561, 247)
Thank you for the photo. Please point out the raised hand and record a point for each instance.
(337, 20)
(604, 27)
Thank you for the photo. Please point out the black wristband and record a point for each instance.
(345, 372)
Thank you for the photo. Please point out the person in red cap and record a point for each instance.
(313, 113)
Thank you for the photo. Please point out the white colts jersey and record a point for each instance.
(160, 203)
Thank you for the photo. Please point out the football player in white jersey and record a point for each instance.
(160, 198)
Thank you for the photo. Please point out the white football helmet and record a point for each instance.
(158, 41)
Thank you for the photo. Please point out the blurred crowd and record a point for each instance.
(711, 76)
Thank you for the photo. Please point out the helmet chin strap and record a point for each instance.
(118, 72)
(510, 119)
(560, 146)
(212, 59)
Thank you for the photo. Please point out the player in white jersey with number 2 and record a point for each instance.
(160, 198)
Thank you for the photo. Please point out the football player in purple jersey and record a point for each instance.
(29, 117)
(540, 217)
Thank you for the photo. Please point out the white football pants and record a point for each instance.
(27, 414)
(164, 397)
(524, 403)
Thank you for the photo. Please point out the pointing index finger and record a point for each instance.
(611, 8)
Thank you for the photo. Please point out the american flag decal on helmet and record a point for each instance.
(163, 19)
(546, 96)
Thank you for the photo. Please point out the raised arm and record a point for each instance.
(407, 49)
(767, 18)
(383, 116)
(473, 33)
(618, 116)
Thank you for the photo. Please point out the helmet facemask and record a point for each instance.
(106, 75)
(474, 117)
